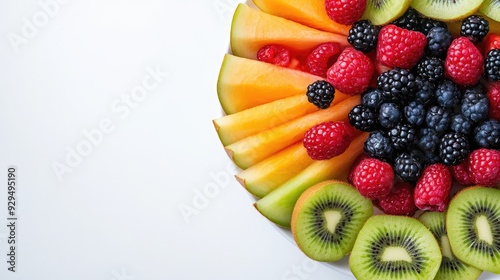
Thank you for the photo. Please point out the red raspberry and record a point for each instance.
(321, 58)
(461, 174)
(345, 11)
(494, 98)
(484, 167)
(275, 54)
(399, 47)
(361, 157)
(399, 201)
(352, 72)
(491, 41)
(328, 139)
(433, 188)
(464, 62)
(373, 178)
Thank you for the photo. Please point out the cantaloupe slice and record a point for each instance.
(232, 128)
(252, 29)
(244, 83)
(311, 13)
(278, 205)
(253, 149)
(267, 175)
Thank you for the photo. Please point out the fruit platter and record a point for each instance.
(369, 131)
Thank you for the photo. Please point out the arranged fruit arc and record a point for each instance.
(394, 247)
(278, 205)
(311, 13)
(327, 218)
(473, 225)
(255, 148)
(245, 83)
(250, 31)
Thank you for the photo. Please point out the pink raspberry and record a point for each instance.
(484, 167)
(352, 72)
(321, 58)
(399, 201)
(464, 62)
(399, 47)
(433, 188)
(328, 139)
(275, 54)
(345, 11)
(373, 178)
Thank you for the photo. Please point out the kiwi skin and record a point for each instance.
(451, 267)
(302, 202)
(468, 254)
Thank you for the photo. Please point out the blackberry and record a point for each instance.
(438, 118)
(492, 65)
(397, 85)
(425, 92)
(408, 166)
(475, 104)
(487, 134)
(438, 41)
(372, 98)
(409, 20)
(448, 94)
(379, 146)
(321, 94)
(363, 36)
(428, 140)
(389, 115)
(363, 118)
(426, 24)
(454, 148)
(431, 158)
(402, 136)
(414, 113)
(431, 69)
(475, 28)
(461, 124)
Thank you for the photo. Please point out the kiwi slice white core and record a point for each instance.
(332, 219)
(445, 247)
(484, 230)
(393, 254)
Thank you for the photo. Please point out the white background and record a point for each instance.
(115, 214)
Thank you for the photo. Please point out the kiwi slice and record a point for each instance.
(473, 225)
(327, 218)
(380, 12)
(491, 8)
(395, 247)
(451, 267)
(447, 10)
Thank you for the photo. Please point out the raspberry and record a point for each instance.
(363, 36)
(373, 178)
(454, 148)
(379, 146)
(275, 54)
(464, 62)
(321, 94)
(352, 72)
(484, 167)
(345, 11)
(321, 58)
(487, 134)
(461, 174)
(475, 28)
(398, 47)
(494, 100)
(326, 140)
(492, 65)
(433, 188)
(399, 201)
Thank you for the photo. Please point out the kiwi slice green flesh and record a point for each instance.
(451, 267)
(380, 12)
(446, 10)
(327, 219)
(473, 225)
(491, 8)
(394, 247)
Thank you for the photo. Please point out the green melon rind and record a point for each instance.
(433, 220)
(444, 12)
(491, 8)
(360, 262)
(314, 248)
(455, 226)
